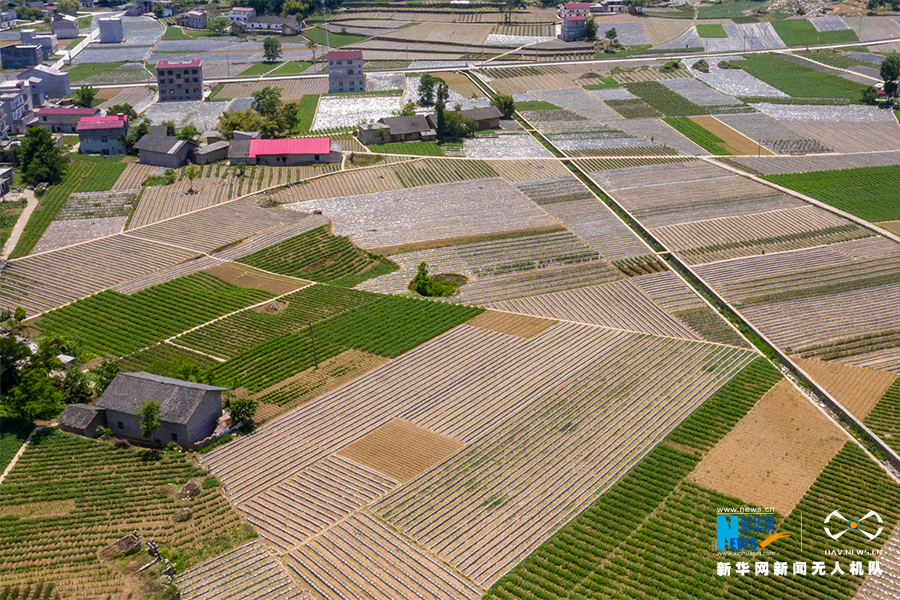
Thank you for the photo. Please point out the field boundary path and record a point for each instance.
(19, 227)
(21, 451)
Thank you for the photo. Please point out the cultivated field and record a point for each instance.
(856, 388)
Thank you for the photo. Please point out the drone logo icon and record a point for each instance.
(853, 525)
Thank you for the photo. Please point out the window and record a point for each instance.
(317, 157)
(103, 140)
(174, 437)
(194, 72)
(121, 425)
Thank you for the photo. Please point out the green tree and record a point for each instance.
(505, 103)
(189, 133)
(869, 95)
(123, 109)
(241, 169)
(68, 7)
(42, 160)
(422, 280)
(287, 116)
(35, 397)
(241, 410)
(75, 387)
(295, 7)
(426, 89)
(191, 173)
(158, 10)
(149, 414)
(311, 44)
(46, 357)
(84, 96)
(590, 28)
(171, 130)
(271, 49)
(408, 110)
(217, 25)
(104, 374)
(440, 114)
(890, 72)
(611, 34)
(28, 13)
(246, 120)
(267, 101)
(134, 134)
(13, 353)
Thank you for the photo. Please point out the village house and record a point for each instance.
(283, 25)
(17, 107)
(487, 117)
(180, 81)
(82, 419)
(389, 130)
(240, 14)
(100, 135)
(345, 71)
(7, 19)
(21, 56)
(111, 31)
(609, 6)
(64, 27)
(54, 83)
(47, 41)
(211, 153)
(279, 153)
(193, 19)
(575, 9)
(164, 151)
(572, 29)
(63, 119)
(189, 411)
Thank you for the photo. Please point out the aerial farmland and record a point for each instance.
(610, 318)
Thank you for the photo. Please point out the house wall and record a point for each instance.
(17, 57)
(179, 83)
(92, 141)
(55, 86)
(211, 157)
(59, 123)
(90, 430)
(163, 160)
(282, 160)
(65, 30)
(131, 428)
(203, 420)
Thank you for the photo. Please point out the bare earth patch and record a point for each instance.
(774, 453)
(735, 141)
(892, 226)
(521, 325)
(56, 508)
(857, 388)
(108, 93)
(247, 277)
(312, 383)
(465, 239)
(400, 450)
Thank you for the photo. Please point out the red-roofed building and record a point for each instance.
(63, 120)
(279, 153)
(180, 80)
(575, 9)
(572, 29)
(345, 71)
(100, 135)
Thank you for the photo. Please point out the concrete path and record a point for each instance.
(19, 227)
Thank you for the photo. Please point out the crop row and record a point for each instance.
(242, 331)
(884, 418)
(113, 324)
(314, 255)
(167, 360)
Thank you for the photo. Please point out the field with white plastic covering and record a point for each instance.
(580, 102)
(347, 111)
(519, 145)
(698, 93)
(803, 164)
(734, 82)
(411, 94)
(832, 23)
(772, 134)
(659, 132)
(74, 231)
(179, 111)
(427, 213)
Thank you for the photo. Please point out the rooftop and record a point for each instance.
(112, 122)
(161, 143)
(344, 54)
(164, 64)
(61, 110)
(577, 5)
(78, 416)
(301, 146)
(578, 18)
(177, 399)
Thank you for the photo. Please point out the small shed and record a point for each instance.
(164, 151)
(487, 117)
(82, 419)
(211, 153)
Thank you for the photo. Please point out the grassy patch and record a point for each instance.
(167, 360)
(536, 105)
(623, 51)
(335, 40)
(292, 67)
(176, 33)
(83, 71)
(711, 30)
(836, 59)
(603, 83)
(306, 113)
(412, 148)
(726, 10)
(85, 22)
(871, 193)
(9, 215)
(699, 135)
(800, 32)
(797, 80)
(13, 433)
(634, 108)
(260, 68)
(665, 100)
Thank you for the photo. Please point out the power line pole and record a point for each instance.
(325, 27)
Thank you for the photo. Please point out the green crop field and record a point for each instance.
(306, 113)
(335, 40)
(836, 59)
(177, 33)
(114, 324)
(260, 68)
(711, 30)
(166, 360)
(871, 193)
(292, 67)
(652, 534)
(536, 105)
(665, 100)
(85, 174)
(411, 148)
(69, 496)
(240, 332)
(726, 9)
(13, 433)
(319, 256)
(800, 32)
(699, 135)
(388, 326)
(85, 70)
(884, 418)
(797, 80)
(634, 108)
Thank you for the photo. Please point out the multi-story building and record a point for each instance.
(7, 19)
(240, 14)
(15, 97)
(21, 56)
(64, 27)
(193, 19)
(180, 81)
(59, 119)
(575, 9)
(572, 29)
(54, 83)
(111, 31)
(47, 41)
(282, 25)
(345, 71)
(100, 135)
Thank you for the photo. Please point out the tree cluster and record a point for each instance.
(426, 285)
(68, 7)
(42, 160)
(890, 73)
(84, 96)
(267, 115)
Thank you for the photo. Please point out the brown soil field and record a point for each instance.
(312, 383)
(735, 141)
(857, 388)
(400, 450)
(521, 325)
(892, 226)
(248, 277)
(465, 239)
(108, 93)
(39, 509)
(774, 453)
(460, 84)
